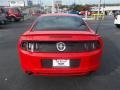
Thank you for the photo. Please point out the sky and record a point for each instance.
(49, 2)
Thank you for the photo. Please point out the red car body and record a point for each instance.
(14, 13)
(41, 63)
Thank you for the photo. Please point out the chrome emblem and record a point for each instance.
(61, 46)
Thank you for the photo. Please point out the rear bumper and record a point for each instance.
(18, 18)
(31, 62)
(116, 21)
(65, 72)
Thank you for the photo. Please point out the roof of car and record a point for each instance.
(60, 14)
(10, 7)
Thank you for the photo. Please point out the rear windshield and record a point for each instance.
(17, 10)
(53, 23)
(12, 9)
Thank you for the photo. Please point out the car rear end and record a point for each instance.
(40, 56)
(18, 13)
(117, 21)
(14, 14)
(59, 52)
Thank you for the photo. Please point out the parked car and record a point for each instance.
(36, 13)
(60, 44)
(3, 18)
(74, 12)
(14, 14)
(117, 20)
(84, 12)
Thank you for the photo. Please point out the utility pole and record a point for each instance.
(40, 5)
(99, 7)
(74, 3)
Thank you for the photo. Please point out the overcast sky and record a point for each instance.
(48, 2)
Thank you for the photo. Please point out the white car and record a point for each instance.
(117, 21)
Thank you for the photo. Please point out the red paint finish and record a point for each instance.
(32, 61)
(14, 12)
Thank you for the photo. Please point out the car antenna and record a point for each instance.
(98, 26)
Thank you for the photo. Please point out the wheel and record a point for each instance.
(3, 22)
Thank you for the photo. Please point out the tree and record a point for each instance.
(80, 7)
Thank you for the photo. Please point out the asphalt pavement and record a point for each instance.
(106, 78)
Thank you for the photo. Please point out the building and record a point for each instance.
(57, 2)
(106, 8)
(16, 3)
(57, 5)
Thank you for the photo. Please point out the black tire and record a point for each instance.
(3, 22)
(117, 25)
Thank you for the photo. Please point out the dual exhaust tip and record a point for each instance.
(29, 73)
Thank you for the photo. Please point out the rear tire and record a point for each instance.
(3, 22)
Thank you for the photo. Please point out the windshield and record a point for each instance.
(60, 23)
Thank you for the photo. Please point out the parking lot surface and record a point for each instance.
(106, 78)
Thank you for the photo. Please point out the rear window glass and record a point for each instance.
(17, 10)
(60, 23)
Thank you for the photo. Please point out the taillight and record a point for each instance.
(91, 45)
(29, 46)
(81, 46)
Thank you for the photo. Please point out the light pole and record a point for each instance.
(104, 7)
(24, 2)
(53, 8)
(9, 3)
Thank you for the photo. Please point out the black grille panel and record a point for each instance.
(51, 46)
(81, 46)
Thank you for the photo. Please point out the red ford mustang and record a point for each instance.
(60, 44)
